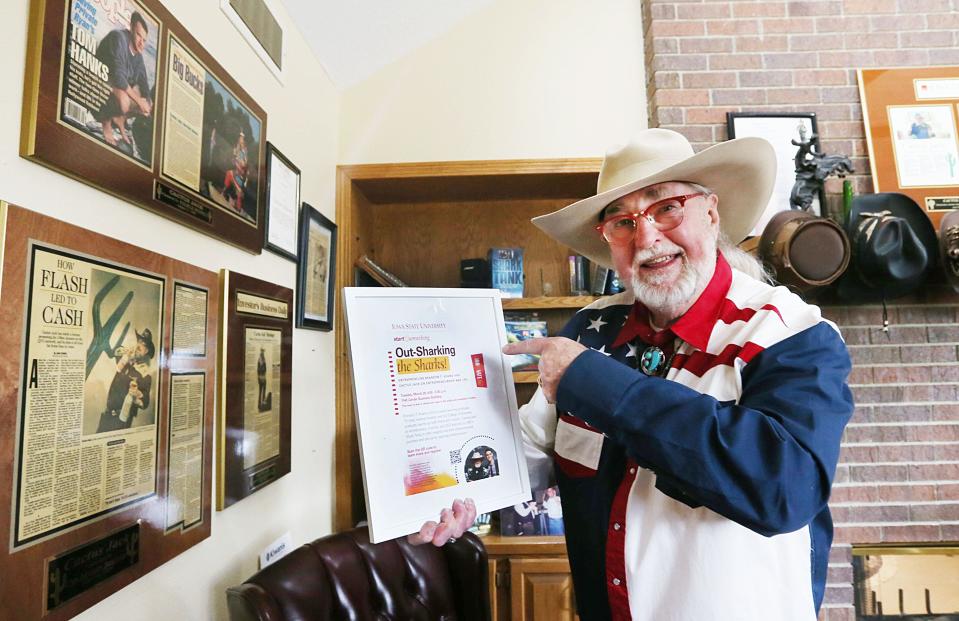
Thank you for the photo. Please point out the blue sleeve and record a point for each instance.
(766, 462)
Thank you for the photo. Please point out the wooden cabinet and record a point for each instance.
(418, 221)
(530, 579)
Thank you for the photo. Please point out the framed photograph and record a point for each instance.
(113, 382)
(256, 361)
(282, 203)
(911, 131)
(780, 129)
(314, 270)
(122, 97)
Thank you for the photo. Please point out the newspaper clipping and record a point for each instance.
(261, 396)
(211, 140)
(185, 483)
(189, 320)
(109, 75)
(317, 283)
(88, 415)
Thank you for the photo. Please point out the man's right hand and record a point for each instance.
(453, 523)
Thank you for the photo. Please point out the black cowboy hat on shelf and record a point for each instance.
(894, 248)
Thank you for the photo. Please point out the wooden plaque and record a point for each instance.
(106, 413)
(125, 99)
(256, 386)
(912, 131)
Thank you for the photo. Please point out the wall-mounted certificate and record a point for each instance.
(435, 404)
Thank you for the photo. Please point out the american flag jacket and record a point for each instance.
(701, 495)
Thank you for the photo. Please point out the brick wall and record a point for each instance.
(898, 479)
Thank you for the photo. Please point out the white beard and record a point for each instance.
(665, 299)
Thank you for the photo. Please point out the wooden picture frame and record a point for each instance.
(780, 129)
(119, 342)
(282, 203)
(315, 271)
(190, 148)
(912, 133)
(255, 388)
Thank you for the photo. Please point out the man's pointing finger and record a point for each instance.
(532, 346)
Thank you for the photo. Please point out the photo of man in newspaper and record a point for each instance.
(109, 76)
(120, 389)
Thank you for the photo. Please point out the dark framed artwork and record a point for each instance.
(125, 99)
(780, 129)
(256, 360)
(282, 203)
(112, 381)
(314, 270)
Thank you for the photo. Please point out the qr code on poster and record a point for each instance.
(455, 456)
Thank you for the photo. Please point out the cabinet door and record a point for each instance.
(542, 589)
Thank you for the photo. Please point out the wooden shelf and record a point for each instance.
(526, 544)
(525, 377)
(574, 301)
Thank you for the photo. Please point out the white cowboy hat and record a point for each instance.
(741, 172)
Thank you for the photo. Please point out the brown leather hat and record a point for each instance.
(949, 247)
(805, 250)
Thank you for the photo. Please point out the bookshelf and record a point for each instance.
(418, 220)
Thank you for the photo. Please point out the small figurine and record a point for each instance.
(812, 169)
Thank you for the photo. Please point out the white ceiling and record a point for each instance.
(354, 38)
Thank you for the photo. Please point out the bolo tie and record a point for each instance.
(654, 361)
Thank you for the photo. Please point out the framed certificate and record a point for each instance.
(912, 116)
(282, 203)
(435, 405)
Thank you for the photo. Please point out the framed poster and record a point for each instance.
(282, 203)
(109, 458)
(255, 388)
(314, 271)
(435, 404)
(911, 116)
(119, 95)
(780, 129)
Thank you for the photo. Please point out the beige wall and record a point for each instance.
(537, 78)
(303, 118)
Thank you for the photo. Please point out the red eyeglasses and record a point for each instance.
(664, 215)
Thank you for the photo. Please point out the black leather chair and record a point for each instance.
(344, 576)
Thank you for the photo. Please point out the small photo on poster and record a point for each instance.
(109, 75)
(924, 144)
(231, 144)
(481, 463)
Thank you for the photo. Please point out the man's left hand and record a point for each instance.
(556, 354)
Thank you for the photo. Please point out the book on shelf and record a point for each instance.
(578, 270)
(522, 331)
(378, 273)
(598, 279)
(506, 271)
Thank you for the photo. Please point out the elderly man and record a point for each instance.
(694, 420)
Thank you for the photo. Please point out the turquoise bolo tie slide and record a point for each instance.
(653, 361)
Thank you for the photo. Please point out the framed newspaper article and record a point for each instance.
(314, 271)
(435, 404)
(120, 96)
(106, 422)
(255, 388)
(912, 117)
